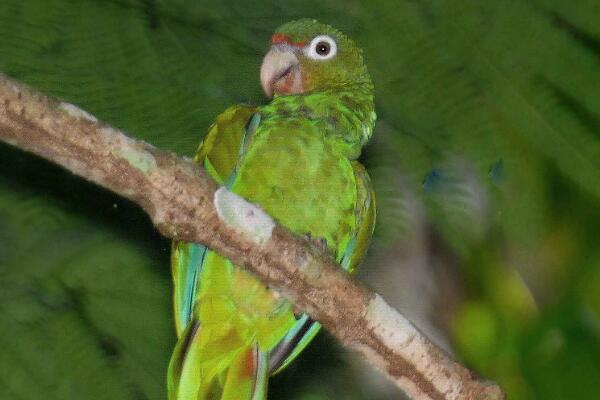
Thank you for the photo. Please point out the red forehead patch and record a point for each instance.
(280, 38)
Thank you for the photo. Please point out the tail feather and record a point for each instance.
(247, 377)
(178, 359)
(200, 369)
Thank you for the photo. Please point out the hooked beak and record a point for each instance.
(280, 72)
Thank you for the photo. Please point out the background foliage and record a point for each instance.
(487, 145)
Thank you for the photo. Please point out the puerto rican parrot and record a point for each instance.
(297, 158)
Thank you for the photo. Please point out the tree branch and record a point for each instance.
(185, 204)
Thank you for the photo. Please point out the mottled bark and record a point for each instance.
(185, 204)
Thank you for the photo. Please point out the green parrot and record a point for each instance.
(297, 158)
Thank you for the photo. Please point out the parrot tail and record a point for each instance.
(207, 367)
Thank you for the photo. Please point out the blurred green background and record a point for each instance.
(486, 162)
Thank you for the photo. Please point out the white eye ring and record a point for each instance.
(322, 47)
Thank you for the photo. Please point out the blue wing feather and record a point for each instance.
(198, 253)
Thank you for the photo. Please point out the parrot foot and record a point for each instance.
(319, 242)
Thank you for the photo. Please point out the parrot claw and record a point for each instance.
(319, 242)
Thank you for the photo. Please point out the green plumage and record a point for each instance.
(296, 157)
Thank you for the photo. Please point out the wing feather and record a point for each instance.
(306, 328)
(218, 153)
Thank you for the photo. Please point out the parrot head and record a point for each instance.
(307, 56)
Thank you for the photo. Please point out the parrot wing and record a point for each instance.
(306, 328)
(218, 153)
(226, 368)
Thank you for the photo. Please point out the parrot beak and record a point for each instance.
(280, 71)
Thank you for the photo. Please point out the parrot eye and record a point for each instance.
(321, 48)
